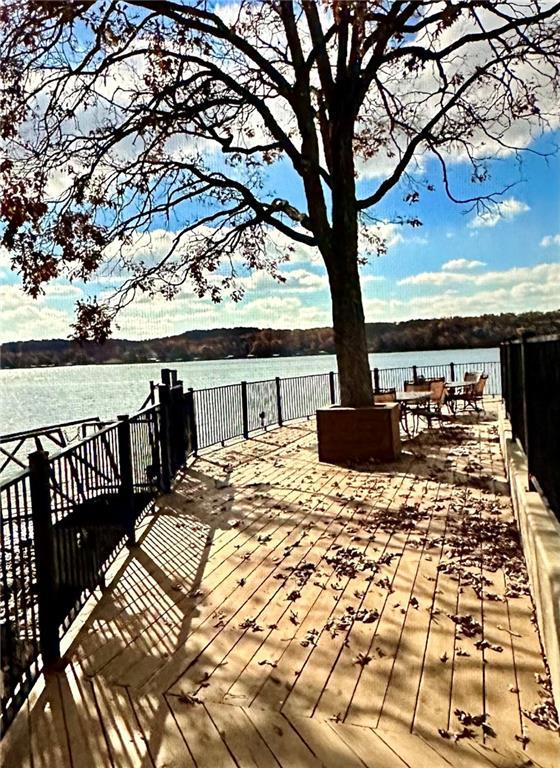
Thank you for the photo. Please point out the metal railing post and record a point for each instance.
(178, 425)
(414, 374)
(47, 597)
(164, 437)
(192, 420)
(166, 376)
(331, 387)
(245, 414)
(126, 489)
(279, 401)
(526, 394)
(452, 371)
(376, 379)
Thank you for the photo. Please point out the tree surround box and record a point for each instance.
(358, 434)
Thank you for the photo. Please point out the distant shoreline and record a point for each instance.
(233, 359)
(478, 332)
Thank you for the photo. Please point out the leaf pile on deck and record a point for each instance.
(477, 540)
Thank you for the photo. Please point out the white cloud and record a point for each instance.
(514, 276)
(157, 317)
(549, 240)
(518, 298)
(26, 318)
(503, 211)
(459, 264)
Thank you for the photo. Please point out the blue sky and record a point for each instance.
(457, 263)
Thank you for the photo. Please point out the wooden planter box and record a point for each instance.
(358, 434)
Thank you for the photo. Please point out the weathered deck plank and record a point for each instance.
(350, 577)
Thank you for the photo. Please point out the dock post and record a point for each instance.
(414, 374)
(376, 379)
(126, 490)
(244, 408)
(279, 401)
(39, 477)
(451, 371)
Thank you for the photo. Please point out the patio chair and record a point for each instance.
(419, 410)
(385, 396)
(472, 376)
(474, 394)
(438, 396)
(422, 385)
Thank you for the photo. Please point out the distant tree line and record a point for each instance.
(220, 343)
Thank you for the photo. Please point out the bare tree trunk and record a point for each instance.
(342, 267)
(350, 336)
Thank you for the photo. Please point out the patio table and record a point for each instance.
(405, 399)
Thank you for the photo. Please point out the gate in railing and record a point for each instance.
(65, 517)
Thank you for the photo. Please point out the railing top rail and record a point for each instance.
(14, 480)
(78, 444)
(48, 429)
(143, 411)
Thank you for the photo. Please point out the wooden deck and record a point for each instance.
(282, 612)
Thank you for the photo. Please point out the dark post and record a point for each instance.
(49, 643)
(152, 393)
(526, 395)
(126, 490)
(452, 371)
(245, 411)
(178, 425)
(503, 370)
(164, 437)
(414, 374)
(376, 379)
(279, 401)
(192, 415)
(331, 387)
(166, 376)
(173, 373)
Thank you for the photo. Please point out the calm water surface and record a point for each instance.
(36, 397)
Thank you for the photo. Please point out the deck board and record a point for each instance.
(281, 612)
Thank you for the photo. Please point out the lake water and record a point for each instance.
(36, 397)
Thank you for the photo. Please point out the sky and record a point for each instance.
(459, 262)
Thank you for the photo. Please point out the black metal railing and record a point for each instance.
(64, 520)
(530, 369)
(66, 516)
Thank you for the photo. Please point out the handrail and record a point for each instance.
(37, 431)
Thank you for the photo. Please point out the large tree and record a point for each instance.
(127, 117)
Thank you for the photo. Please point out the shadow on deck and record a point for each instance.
(279, 611)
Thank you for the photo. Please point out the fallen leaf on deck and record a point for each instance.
(188, 698)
